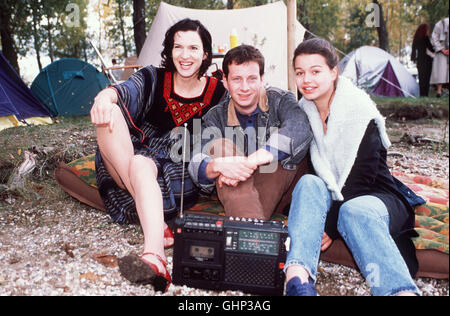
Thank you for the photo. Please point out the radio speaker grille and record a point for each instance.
(250, 270)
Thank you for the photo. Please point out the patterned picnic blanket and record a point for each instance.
(431, 218)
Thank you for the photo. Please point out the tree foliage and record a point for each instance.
(119, 33)
(58, 28)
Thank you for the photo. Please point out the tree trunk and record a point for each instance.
(230, 4)
(37, 45)
(50, 39)
(122, 30)
(291, 19)
(139, 24)
(7, 40)
(383, 36)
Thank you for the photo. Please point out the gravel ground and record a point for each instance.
(67, 248)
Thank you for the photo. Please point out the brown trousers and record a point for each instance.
(263, 193)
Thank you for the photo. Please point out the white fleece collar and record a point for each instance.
(333, 153)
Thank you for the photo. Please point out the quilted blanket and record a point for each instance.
(431, 218)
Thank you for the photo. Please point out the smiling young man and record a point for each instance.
(252, 128)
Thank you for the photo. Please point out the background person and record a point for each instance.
(440, 41)
(117, 73)
(422, 52)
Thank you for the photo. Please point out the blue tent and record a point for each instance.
(68, 86)
(17, 103)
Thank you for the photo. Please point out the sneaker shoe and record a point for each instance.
(296, 288)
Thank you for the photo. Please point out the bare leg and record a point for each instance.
(131, 174)
(149, 205)
(439, 89)
(117, 150)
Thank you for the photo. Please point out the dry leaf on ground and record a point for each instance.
(106, 260)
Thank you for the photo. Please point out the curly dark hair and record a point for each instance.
(186, 25)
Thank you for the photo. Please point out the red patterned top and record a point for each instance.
(172, 110)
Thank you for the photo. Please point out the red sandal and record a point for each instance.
(140, 271)
(162, 280)
(168, 234)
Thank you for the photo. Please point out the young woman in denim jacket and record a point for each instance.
(352, 194)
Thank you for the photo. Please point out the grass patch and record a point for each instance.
(69, 138)
(64, 135)
(413, 109)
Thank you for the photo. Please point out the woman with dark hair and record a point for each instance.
(137, 179)
(422, 51)
(352, 194)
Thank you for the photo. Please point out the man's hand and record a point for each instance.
(261, 157)
(233, 168)
(227, 181)
(326, 242)
(104, 104)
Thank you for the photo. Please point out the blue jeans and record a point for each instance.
(363, 224)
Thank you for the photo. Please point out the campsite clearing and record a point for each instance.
(50, 244)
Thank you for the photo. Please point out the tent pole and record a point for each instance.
(104, 64)
(291, 19)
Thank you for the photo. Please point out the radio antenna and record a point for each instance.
(184, 166)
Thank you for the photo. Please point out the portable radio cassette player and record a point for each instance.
(221, 253)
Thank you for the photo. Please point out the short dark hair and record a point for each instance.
(318, 46)
(243, 54)
(186, 25)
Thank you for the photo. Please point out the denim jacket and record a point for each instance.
(281, 124)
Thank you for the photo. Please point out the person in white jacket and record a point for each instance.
(440, 41)
(351, 193)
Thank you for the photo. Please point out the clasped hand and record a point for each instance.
(233, 170)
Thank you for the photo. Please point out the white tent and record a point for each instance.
(263, 27)
(378, 72)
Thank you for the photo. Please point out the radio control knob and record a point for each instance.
(215, 275)
(197, 274)
(207, 274)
